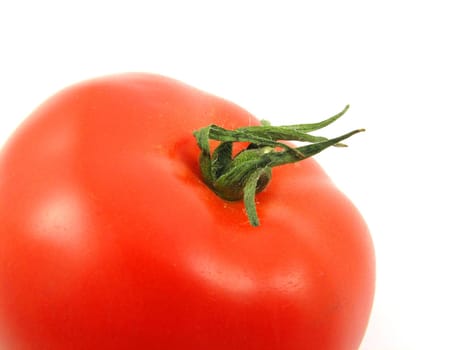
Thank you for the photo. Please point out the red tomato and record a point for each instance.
(109, 239)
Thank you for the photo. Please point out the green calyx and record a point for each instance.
(247, 173)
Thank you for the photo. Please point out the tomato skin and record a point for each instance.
(109, 239)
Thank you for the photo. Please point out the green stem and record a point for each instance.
(249, 172)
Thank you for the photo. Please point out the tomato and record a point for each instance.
(110, 238)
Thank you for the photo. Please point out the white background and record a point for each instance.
(401, 64)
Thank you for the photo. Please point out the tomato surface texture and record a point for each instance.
(109, 238)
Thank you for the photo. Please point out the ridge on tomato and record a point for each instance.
(113, 237)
